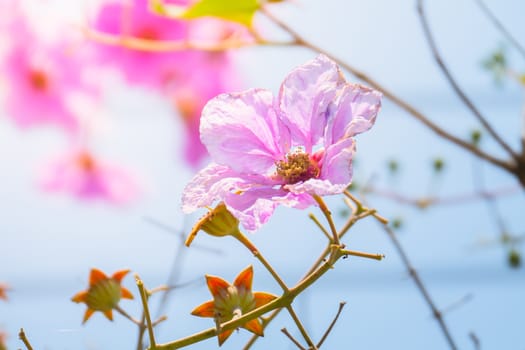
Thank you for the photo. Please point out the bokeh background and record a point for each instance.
(49, 242)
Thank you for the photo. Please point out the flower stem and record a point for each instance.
(144, 298)
(321, 227)
(128, 316)
(283, 301)
(251, 247)
(303, 331)
(328, 216)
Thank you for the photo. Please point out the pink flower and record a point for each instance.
(40, 80)
(213, 74)
(133, 18)
(269, 151)
(190, 78)
(86, 177)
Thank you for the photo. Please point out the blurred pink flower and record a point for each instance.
(190, 78)
(270, 151)
(133, 18)
(40, 80)
(86, 177)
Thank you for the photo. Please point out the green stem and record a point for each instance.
(320, 226)
(328, 216)
(301, 328)
(363, 255)
(266, 321)
(283, 301)
(248, 244)
(144, 298)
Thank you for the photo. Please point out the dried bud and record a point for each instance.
(217, 222)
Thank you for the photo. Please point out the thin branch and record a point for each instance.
(420, 286)
(24, 339)
(295, 341)
(457, 199)
(328, 216)
(497, 23)
(320, 226)
(455, 86)
(300, 41)
(303, 331)
(325, 335)
(458, 303)
(475, 340)
(145, 307)
(128, 316)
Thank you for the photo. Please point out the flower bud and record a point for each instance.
(217, 222)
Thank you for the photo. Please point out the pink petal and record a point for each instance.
(356, 113)
(242, 131)
(254, 208)
(337, 162)
(305, 99)
(210, 184)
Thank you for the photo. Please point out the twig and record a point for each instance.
(303, 331)
(458, 303)
(325, 335)
(328, 216)
(421, 287)
(451, 200)
(24, 339)
(497, 23)
(144, 298)
(128, 316)
(362, 254)
(295, 341)
(455, 86)
(300, 41)
(475, 340)
(251, 247)
(320, 226)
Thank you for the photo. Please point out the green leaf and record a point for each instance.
(240, 11)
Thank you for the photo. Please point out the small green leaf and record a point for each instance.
(240, 11)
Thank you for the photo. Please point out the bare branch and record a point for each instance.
(325, 335)
(497, 23)
(455, 86)
(295, 341)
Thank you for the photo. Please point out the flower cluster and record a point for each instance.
(281, 150)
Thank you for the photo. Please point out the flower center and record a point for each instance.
(39, 80)
(297, 167)
(86, 162)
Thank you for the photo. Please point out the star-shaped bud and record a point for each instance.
(217, 222)
(103, 293)
(231, 301)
